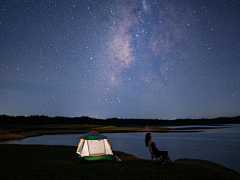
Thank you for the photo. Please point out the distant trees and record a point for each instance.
(45, 120)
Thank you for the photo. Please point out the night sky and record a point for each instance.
(154, 59)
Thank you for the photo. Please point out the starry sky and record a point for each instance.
(151, 59)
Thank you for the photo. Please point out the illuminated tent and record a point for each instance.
(94, 146)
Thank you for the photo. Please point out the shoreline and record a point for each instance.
(8, 135)
(23, 135)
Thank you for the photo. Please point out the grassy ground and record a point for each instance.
(57, 162)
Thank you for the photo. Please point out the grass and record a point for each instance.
(57, 162)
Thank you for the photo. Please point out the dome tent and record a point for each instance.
(94, 146)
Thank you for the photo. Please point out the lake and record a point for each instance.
(217, 145)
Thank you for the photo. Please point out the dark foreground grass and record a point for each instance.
(57, 162)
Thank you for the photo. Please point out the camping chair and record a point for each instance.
(156, 158)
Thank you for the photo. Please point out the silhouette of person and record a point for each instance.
(154, 151)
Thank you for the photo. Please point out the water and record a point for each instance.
(217, 145)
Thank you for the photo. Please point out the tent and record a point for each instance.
(94, 146)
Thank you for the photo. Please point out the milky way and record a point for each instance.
(140, 58)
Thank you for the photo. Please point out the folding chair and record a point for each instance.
(156, 158)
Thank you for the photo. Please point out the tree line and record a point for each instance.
(6, 120)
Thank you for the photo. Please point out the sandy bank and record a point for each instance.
(8, 135)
